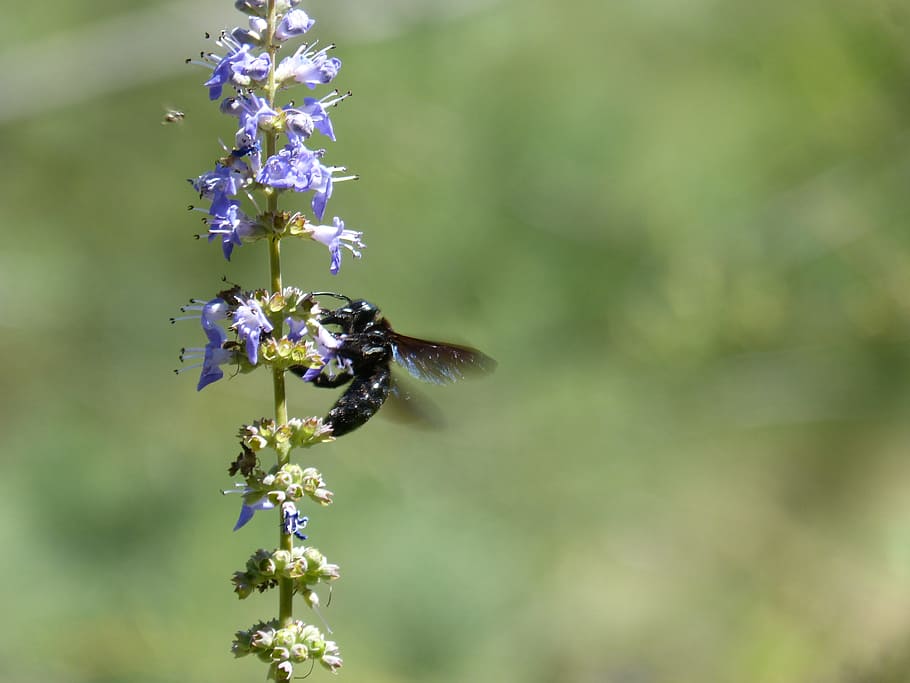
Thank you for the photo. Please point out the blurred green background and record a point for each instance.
(683, 229)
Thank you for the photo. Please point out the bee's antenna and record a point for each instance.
(337, 296)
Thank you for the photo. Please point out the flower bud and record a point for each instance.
(280, 654)
(295, 23)
(245, 36)
(329, 572)
(331, 658)
(296, 569)
(281, 559)
(243, 586)
(259, 25)
(285, 637)
(258, 7)
(313, 556)
(312, 637)
(263, 639)
(299, 652)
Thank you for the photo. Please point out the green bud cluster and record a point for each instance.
(290, 301)
(284, 354)
(285, 223)
(284, 647)
(289, 482)
(304, 565)
(296, 433)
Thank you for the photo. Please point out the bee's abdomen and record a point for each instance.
(360, 401)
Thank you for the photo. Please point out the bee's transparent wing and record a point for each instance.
(438, 362)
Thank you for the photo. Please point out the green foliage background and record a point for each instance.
(683, 229)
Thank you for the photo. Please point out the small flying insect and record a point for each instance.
(368, 345)
(172, 116)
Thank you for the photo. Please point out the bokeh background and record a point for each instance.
(682, 228)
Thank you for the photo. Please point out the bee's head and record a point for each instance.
(356, 316)
(362, 314)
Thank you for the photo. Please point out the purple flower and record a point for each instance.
(299, 124)
(250, 322)
(290, 168)
(335, 237)
(301, 121)
(213, 353)
(212, 312)
(296, 328)
(327, 345)
(309, 67)
(253, 6)
(224, 181)
(238, 68)
(227, 221)
(251, 110)
(295, 23)
(292, 522)
(249, 508)
(321, 184)
(297, 168)
(252, 35)
(245, 145)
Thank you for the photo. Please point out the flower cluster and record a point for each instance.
(254, 164)
(282, 647)
(304, 565)
(289, 482)
(297, 432)
(250, 318)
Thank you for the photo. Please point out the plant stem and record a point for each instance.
(286, 541)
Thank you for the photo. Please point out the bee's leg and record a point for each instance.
(321, 380)
(326, 382)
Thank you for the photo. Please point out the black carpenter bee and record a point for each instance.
(368, 345)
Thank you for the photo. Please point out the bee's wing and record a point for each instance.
(438, 362)
(410, 407)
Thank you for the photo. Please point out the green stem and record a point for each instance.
(286, 541)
